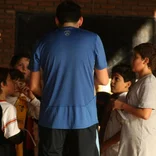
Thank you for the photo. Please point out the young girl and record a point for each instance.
(10, 134)
(138, 135)
(21, 62)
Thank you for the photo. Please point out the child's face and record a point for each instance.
(22, 66)
(118, 85)
(138, 63)
(19, 85)
(9, 87)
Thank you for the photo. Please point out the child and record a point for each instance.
(22, 90)
(10, 134)
(138, 135)
(21, 62)
(122, 78)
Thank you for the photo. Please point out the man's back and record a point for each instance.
(68, 58)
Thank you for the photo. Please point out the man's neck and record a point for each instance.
(70, 24)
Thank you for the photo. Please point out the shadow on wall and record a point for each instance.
(119, 34)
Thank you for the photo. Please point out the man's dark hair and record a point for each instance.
(147, 50)
(125, 71)
(16, 58)
(68, 11)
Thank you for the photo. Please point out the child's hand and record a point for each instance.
(27, 92)
(105, 146)
(117, 104)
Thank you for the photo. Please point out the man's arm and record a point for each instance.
(35, 83)
(101, 77)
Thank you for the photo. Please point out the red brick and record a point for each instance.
(139, 8)
(152, 8)
(97, 6)
(108, 6)
(101, 1)
(10, 21)
(10, 11)
(130, 13)
(123, 7)
(32, 3)
(146, 13)
(9, 41)
(47, 1)
(1, 11)
(2, 1)
(114, 2)
(45, 4)
(2, 6)
(115, 12)
(100, 12)
(36, 9)
(147, 3)
(130, 2)
(2, 21)
(81, 1)
(5, 26)
(20, 7)
(13, 1)
(9, 31)
(51, 10)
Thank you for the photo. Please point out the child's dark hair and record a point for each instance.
(125, 71)
(68, 11)
(16, 74)
(3, 76)
(147, 50)
(16, 58)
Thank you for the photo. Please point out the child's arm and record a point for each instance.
(34, 108)
(113, 140)
(34, 104)
(143, 113)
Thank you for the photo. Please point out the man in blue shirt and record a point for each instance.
(68, 57)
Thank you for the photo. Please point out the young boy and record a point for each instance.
(10, 134)
(122, 79)
(138, 135)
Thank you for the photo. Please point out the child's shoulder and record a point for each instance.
(149, 79)
(6, 106)
(122, 96)
(12, 99)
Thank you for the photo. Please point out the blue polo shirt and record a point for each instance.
(68, 57)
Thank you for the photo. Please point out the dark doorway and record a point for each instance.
(119, 34)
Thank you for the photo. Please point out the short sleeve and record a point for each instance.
(34, 64)
(9, 122)
(100, 61)
(147, 96)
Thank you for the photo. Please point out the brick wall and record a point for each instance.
(8, 10)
